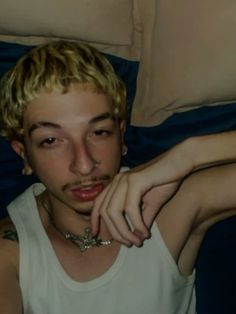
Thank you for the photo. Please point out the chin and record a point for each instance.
(83, 208)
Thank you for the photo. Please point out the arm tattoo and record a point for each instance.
(10, 234)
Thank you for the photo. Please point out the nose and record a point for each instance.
(82, 161)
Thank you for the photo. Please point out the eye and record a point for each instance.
(48, 141)
(102, 132)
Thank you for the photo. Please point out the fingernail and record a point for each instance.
(140, 244)
(128, 245)
(142, 235)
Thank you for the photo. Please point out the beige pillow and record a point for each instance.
(188, 57)
(102, 21)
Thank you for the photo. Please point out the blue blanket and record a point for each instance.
(215, 266)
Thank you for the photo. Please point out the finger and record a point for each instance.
(101, 203)
(135, 215)
(95, 215)
(114, 232)
(124, 227)
(117, 212)
(133, 205)
(103, 208)
(106, 215)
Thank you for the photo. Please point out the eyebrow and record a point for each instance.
(101, 117)
(47, 124)
(42, 124)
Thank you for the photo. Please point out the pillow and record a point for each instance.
(102, 21)
(188, 57)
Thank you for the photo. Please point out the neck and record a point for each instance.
(67, 219)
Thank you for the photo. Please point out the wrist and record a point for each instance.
(184, 157)
(189, 152)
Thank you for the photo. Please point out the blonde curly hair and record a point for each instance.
(54, 67)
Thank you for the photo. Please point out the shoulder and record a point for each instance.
(10, 295)
(8, 231)
(9, 245)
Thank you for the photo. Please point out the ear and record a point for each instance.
(122, 132)
(122, 128)
(19, 148)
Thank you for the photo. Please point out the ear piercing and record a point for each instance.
(116, 111)
(125, 150)
(26, 171)
(96, 163)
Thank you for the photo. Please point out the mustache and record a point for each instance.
(84, 181)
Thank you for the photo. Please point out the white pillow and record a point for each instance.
(188, 57)
(101, 21)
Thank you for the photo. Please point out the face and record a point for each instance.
(73, 144)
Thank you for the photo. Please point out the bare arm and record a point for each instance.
(213, 149)
(203, 199)
(10, 295)
(129, 190)
(192, 154)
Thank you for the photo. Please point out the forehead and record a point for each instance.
(79, 104)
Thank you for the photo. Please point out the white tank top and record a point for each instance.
(142, 280)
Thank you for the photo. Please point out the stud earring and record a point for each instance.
(116, 111)
(26, 171)
(125, 150)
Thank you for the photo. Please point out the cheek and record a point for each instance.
(111, 156)
(46, 164)
(47, 171)
(51, 174)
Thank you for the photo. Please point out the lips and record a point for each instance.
(87, 193)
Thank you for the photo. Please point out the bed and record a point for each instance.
(178, 63)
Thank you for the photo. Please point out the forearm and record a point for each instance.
(188, 156)
(192, 154)
(214, 149)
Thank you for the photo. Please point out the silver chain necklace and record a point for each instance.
(85, 241)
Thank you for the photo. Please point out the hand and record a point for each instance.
(154, 199)
(129, 205)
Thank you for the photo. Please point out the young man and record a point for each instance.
(63, 109)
